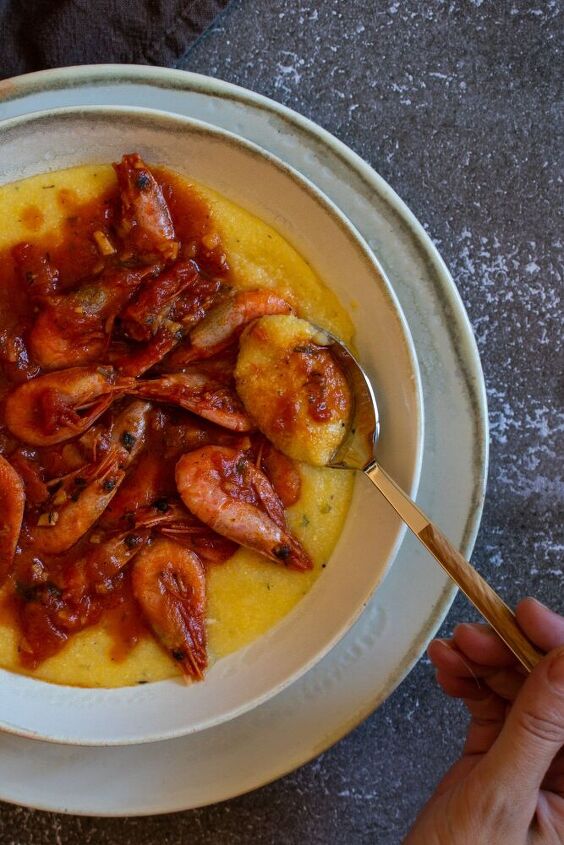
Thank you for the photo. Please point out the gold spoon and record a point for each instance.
(357, 452)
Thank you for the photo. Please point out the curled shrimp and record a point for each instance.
(224, 489)
(145, 221)
(224, 323)
(197, 392)
(169, 583)
(78, 500)
(83, 499)
(12, 501)
(57, 406)
(75, 328)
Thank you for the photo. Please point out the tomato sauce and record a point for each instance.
(106, 293)
(41, 601)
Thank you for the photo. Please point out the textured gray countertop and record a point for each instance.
(455, 103)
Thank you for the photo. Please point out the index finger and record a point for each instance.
(482, 645)
(542, 625)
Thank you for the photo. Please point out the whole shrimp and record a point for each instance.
(78, 500)
(145, 221)
(57, 406)
(75, 328)
(224, 489)
(169, 584)
(82, 500)
(224, 323)
(210, 398)
(12, 501)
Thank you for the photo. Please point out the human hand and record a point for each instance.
(508, 787)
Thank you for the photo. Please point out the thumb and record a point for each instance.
(533, 732)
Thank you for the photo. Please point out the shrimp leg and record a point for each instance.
(197, 392)
(142, 318)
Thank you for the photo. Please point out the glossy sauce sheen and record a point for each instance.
(118, 649)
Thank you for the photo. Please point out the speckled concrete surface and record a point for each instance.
(455, 103)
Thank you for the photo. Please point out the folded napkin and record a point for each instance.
(37, 34)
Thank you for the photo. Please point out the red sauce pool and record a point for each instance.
(36, 600)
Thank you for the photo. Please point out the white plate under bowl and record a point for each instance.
(361, 671)
(277, 194)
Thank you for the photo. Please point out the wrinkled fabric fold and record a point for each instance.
(38, 34)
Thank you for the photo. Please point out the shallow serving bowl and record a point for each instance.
(300, 212)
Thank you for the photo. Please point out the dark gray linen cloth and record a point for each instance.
(38, 34)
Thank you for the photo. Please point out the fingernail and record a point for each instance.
(536, 601)
(556, 670)
(478, 627)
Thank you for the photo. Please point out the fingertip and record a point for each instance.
(437, 647)
(456, 687)
(447, 659)
(482, 645)
(541, 624)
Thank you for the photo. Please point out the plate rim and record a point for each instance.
(473, 376)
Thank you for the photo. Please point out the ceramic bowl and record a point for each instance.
(261, 183)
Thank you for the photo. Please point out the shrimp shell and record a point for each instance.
(225, 322)
(145, 221)
(45, 411)
(225, 490)
(80, 512)
(169, 583)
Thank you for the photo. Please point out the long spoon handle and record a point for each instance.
(483, 597)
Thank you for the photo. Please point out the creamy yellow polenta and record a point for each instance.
(248, 594)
